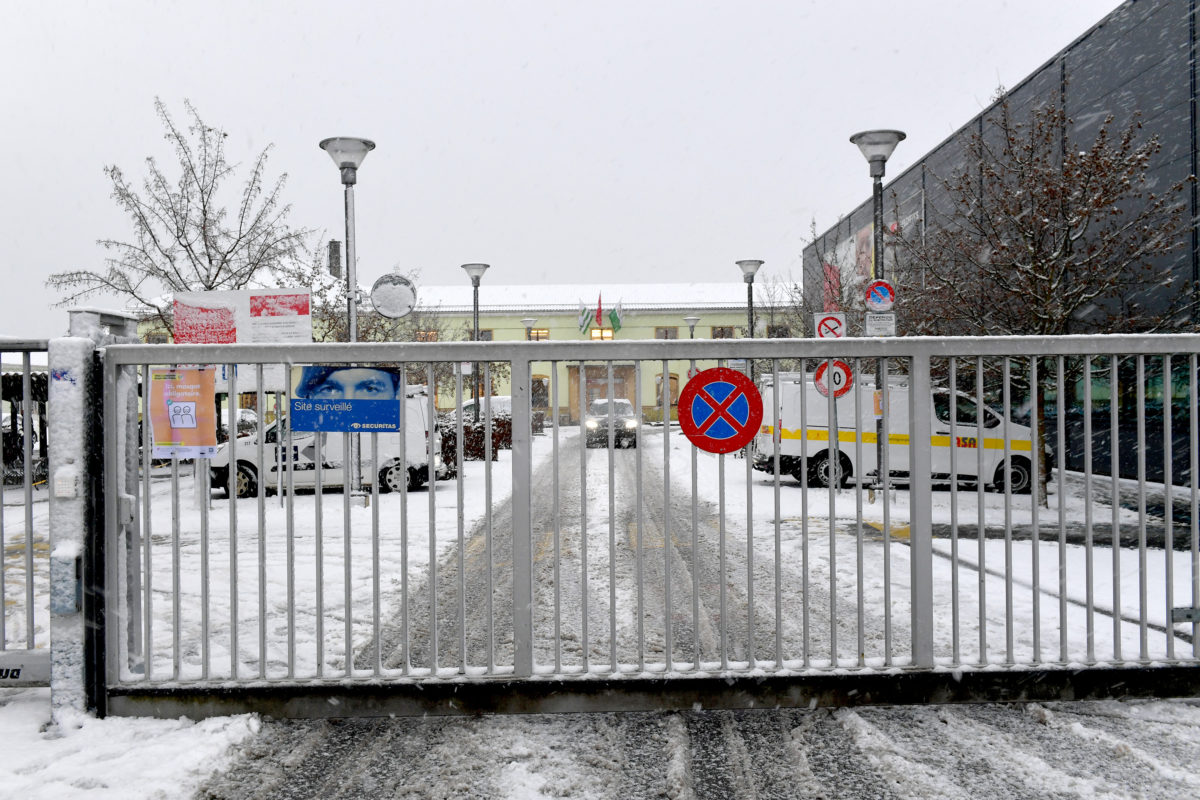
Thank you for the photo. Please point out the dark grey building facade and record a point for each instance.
(1140, 58)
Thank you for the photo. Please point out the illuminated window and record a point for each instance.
(539, 334)
(602, 333)
(427, 336)
(722, 331)
(666, 333)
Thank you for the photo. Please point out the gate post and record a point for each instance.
(76, 512)
(920, 489)
(522, 448)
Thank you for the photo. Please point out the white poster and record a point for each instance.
(253, 316)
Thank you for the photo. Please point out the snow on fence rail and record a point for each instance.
(631, 553)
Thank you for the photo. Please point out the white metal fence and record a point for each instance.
(24, 534)
(646, 557)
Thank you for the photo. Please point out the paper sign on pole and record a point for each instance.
(255, 316)
(880, 324)
(183, 416)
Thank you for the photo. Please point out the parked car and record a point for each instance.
(619, 415)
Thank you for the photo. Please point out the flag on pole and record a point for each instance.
(615, 317)
(585, 317)
(599, 311)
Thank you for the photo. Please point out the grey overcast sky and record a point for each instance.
(561, 142)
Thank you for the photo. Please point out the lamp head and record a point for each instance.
(691, 321)
(348, 153)
(528, 322)
(749, 267)
(475, 272)
(877, 147)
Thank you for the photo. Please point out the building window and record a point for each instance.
(779, 332)
(539, 334)
(602, 333)
(485, 335)
(156, 338)
(672, 385)
(666, 333)
(427, 336)
(722, 331)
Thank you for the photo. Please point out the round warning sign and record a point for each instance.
(881, 295)
(720, 410)
(839, 375)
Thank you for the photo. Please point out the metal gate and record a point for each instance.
(24, 527)
(607, 563)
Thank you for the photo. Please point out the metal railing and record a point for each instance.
(659, 559)
(24, 529)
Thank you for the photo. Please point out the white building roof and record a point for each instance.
(560, 298)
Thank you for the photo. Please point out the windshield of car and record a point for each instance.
(620, 408)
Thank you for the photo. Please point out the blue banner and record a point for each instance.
(350, 399)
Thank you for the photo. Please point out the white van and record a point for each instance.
(809, 444)
(394, 473)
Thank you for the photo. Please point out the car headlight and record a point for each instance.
(630, 424)
(592, 424)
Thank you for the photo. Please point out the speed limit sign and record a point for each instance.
(839, 376)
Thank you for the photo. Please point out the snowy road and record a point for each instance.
(1105, 749)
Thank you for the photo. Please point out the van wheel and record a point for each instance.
(246, 482)
(818, 474)
(393, 478)
(1022, 476)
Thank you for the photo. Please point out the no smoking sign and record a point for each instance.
(830, 325)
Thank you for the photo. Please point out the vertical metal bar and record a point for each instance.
(27, 479)
(461, 449)
(1115, 474)
(721, 574)
(639, 553)
(556, 513)
(1194, 471)
(858, 514)
(430, 415)
(487, 498)
(232, 399)
(921, 508)
(1168, 400)
(406, 665)
(884, 482)
(176, 574)
(319, 552)
(205, 495)
(806, 650)
(522, 474)
(1035, 494)
(1143, 589)
(1009, 622)
(377, 656)
(108, 643)
(955, 621)
(666, 532)
(1061, 461)
(289, 457)
(1088, 535)
(612, 526)
(776, 439)
(351, 492)
(748, 456)
(260, 434)
(147, 531)
(583, 503)
(981, 511)
(3, 549)
(835, 475)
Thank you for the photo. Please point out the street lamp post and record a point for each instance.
(528, 323)
(749, 267)
(876, 147)
(475, 273)
(691, 323)
(348, 153)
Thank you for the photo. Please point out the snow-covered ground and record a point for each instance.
(129, 758)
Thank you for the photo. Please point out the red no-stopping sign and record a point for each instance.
(720, 410)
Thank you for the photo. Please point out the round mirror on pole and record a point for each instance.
(394, 296)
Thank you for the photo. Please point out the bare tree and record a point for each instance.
(185, 237)
(1039, 234)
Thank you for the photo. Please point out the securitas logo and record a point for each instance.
(10, 673)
